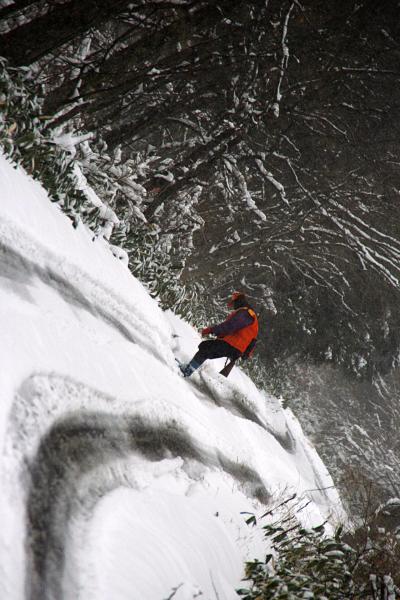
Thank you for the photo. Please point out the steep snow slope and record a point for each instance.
(119, 479)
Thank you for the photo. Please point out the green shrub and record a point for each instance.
(24, 139)
(310, 563)
(27, 141)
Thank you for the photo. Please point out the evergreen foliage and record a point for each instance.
(25, 138)
(310, 563)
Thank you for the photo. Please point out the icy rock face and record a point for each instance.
(119, 478)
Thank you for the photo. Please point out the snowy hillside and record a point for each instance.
(120, 480)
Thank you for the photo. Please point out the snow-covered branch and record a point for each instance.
(284, 61)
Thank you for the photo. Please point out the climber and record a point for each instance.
(236, 336)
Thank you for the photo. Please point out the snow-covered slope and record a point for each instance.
(120, 480)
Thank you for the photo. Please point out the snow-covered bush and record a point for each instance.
(311, 563)
(23, 137)
(305, 563)
(97, 186)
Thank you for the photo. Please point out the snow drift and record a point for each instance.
(119, 479)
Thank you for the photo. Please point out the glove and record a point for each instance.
(205, 331)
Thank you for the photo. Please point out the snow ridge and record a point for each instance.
(74, 282)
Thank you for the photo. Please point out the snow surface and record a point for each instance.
(120, 480)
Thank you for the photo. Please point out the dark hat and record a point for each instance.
(237, 296)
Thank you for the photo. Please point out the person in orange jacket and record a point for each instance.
(236, 336)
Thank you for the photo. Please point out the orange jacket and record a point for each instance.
(241, 338)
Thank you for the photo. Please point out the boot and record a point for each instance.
(190, 368)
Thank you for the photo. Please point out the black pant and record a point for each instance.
(215, 349)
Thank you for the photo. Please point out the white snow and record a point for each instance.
(121, 480)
